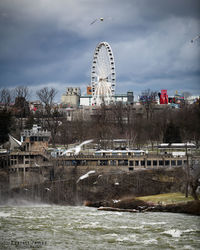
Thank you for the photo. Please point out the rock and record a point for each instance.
(118, 209)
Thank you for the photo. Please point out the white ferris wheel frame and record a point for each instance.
(103, 77)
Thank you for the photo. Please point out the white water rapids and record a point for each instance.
(65, 227)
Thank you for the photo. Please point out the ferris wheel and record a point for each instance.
(103, 77)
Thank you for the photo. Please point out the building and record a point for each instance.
(35, 139)
(35, 106)
(28, 157)
(86, 100)
(163, 97)
(178, 149)
(130, 97)
(124, 98)
(72, 97)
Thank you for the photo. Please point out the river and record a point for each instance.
(40, 226)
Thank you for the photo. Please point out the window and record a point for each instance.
(155, 163)
(173, 163)
(166, 163)
(148, 163)
(126, 162)
(179, 162)
(131, 163)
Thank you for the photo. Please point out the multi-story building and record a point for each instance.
(72, 97)
(35, 139)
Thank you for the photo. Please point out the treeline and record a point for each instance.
(125, 121)
(142, 124)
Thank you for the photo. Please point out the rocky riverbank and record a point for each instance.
(136, 205)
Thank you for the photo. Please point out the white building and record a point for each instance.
(124, 98)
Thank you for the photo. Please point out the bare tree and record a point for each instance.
(148, 99)
(21, 95)
(5, 98)
(21, 92)
(52, 116)
(188, 119)
(102, 127)
(119, 116)
(192, 170)
(64, 133)
(47, 96)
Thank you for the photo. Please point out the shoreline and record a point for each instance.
(136, 206)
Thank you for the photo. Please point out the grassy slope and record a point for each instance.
(166, 198)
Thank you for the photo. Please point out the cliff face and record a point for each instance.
(73, 185)
(114, 185)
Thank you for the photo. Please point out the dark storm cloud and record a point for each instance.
(46, 42)
(165, 9)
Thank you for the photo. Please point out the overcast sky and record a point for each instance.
(51, 43)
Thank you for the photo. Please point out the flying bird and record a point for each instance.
(101, 19)
(76, 149)
(195, 38)
(86, 175)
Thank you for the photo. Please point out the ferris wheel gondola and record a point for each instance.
(103, 76)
